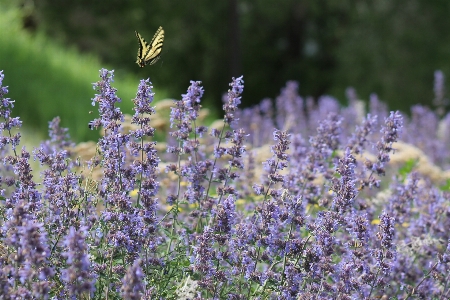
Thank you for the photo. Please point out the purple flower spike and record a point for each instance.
(226, 215)
(77, 276)
(183, 116)
(133, 285)
(107, 99)
(390, 134)
(8, 123)
(344, 187)
(233, 99)
(439, 101)
(387, 230)
(144, 97)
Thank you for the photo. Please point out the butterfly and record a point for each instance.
(149, 54)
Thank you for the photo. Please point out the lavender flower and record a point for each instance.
(203, 255)
(377, 108)
(183, 115)
(404, 195)
(195, 169)
(351, 95)
(26, 190)
(9, 122)
(59, 136)
(387, 231)
(346, 282)
(308, 162)
(439, 92)
(107, 99)
(147, 166)
(61, 184)
(128, 227)
(359, 138)
(225, 215)
(326, 224)
(325, 142)
(29, 272)
(390, 134)
(77, 276)
(290, 111)
(233, 99)
(358, 226)
(133, 285)
(344, 187)
(195, 174)
(278, 162)
(305, 231)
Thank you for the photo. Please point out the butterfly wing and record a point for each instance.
(143, 48)
(153, 53)
(149, 54)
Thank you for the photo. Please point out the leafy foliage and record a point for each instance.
(390, 47)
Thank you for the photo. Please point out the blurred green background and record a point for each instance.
(51, 50)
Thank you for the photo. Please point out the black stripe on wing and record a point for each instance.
(149, 54)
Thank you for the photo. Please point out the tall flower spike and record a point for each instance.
(203, 254)
(387, 230)
(146, 167)
(125, 224)
(344, 187)
(77, 276)
(58, 135)
(289, 105)
(278, 161)
(359, 138)
(183, 115)
(439, 100)
(377, 108)
(133, 285)
(112, 144)
(390, 133)
(6, 105)
(325, 141)
(351, 95)
(107, 99)
(32, 263)
(226, 215)
(144, 97)
(233, 99)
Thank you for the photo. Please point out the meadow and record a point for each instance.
(291, 199)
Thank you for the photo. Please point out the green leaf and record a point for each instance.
(407, 168)
(446, 186)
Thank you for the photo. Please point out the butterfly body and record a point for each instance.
(148, 54)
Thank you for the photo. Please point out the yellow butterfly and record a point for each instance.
(149, 54)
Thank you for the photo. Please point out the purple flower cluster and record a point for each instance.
(78, 275)
(133, 287)
(294, 199)
(8, 122)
